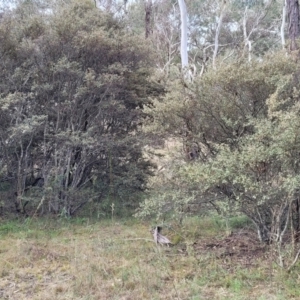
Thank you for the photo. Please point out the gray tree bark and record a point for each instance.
(293, 23)
(148, 13)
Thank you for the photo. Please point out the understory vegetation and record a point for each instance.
(106, 131)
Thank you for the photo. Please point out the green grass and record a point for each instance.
(88, 259)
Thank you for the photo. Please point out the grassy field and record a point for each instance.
(84, 259)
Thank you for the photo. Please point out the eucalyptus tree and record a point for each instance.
(184, 35)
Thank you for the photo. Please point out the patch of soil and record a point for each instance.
(241, 246)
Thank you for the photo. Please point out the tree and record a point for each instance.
(148, 13)
(218, 29)
(183, 40)
(72, 107)
(293, 25)
(282, 27)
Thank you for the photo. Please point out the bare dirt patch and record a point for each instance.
(241, 246)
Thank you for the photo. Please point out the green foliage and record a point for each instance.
(239, 222)
(243, 121)
(76, 84)
(217, 107)
(9, 227)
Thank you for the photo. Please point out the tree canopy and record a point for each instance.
(73, 87)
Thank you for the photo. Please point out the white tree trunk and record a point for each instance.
(283, 24)
(183, 47)
(247, 42)
(216, 48)
(247, 35)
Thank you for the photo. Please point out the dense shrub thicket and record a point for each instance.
(73, 85)
(240, 130)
